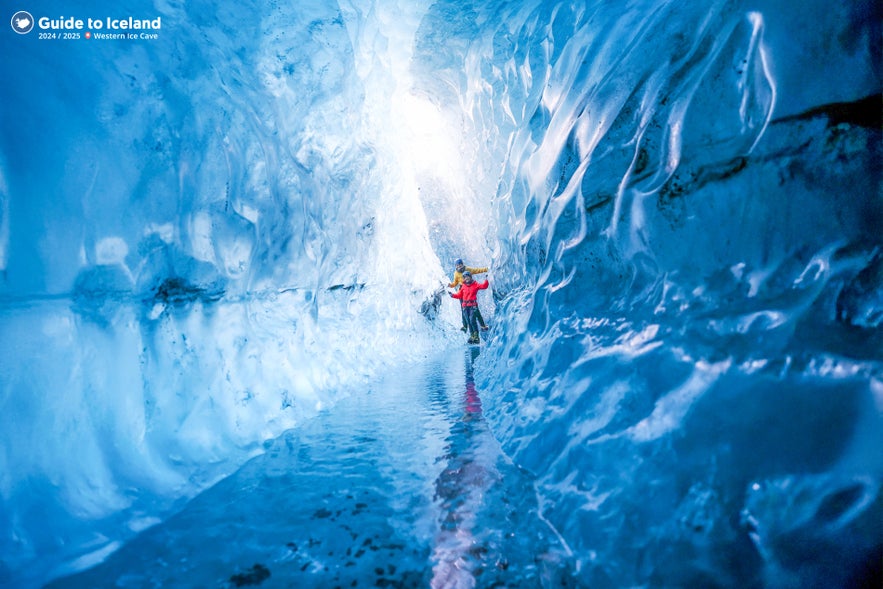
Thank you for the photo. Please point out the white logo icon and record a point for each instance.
(22, 22)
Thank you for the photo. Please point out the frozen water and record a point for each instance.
(217, 248)
(347, 501)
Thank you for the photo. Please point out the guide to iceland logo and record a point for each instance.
(22, 22)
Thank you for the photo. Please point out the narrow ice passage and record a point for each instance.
(401, 485)
(232, 230)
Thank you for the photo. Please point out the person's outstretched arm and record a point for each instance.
(477, 270)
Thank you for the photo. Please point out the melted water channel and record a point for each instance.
(400, 485)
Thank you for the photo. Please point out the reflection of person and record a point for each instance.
(468, 295)
(461, 551)
(473, 401)
(459, 269)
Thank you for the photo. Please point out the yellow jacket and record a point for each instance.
(458, 276)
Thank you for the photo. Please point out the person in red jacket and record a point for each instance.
(459, 269)
(468, 295)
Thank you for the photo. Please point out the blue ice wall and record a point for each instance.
(681, 206)
(197, 236)
(689, 270)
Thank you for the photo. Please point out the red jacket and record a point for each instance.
(468, 293)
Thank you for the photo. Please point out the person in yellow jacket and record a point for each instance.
(459, 268)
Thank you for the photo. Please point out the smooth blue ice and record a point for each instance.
(222, 334)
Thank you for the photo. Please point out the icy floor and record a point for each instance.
(400, 485)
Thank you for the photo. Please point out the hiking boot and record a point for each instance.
(463, 329)
(484, 327)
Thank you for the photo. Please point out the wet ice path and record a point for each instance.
(400, 485)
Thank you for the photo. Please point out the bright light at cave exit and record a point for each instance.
(415, 140)
(429, 139)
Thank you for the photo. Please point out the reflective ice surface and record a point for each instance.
(401, 485)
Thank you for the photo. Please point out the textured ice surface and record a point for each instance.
(208, 239)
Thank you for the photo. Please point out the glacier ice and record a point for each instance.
(209, 238)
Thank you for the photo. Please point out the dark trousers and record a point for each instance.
(477, 315)
(470, 320)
